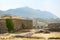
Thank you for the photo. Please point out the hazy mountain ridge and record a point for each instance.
(2, 12)
(29, 12)
(43, 16)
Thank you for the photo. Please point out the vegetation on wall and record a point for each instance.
(23, 26)
(10, 25)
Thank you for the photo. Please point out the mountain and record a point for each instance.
(1, 13)
(42, 16)
(31, 13)
(4, 13)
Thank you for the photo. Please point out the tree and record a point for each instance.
(10, 25)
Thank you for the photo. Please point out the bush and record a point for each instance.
(10, 25)
(23, 26)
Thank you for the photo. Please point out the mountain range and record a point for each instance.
(27, 12)
(31, 13)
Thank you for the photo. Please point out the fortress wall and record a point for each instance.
(3, 28)
(17, 25)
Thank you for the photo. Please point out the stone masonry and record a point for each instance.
(17, 25)
(3, 28)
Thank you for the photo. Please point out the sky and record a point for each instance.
(52, 6)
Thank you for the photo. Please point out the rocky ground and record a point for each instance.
(32, 35)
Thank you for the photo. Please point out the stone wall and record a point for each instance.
(54, 27)
(3, 28)
(17, 25)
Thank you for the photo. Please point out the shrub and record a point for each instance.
(23, 26)
(10, 25)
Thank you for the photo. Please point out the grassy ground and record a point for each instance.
(44, 35)
(23, 39)
(32, 39)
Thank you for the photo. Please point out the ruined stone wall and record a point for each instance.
(3, 28)
(54, 27)
(17, 25)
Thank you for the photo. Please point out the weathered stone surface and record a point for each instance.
(17, 25)
(3, 28)
(54, 27)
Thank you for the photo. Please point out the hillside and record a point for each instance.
(31, 13)
(42, 16)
